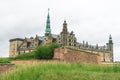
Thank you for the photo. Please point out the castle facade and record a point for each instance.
(64, 39)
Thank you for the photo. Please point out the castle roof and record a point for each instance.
(40, 38)
(20, 39)
(54, 36)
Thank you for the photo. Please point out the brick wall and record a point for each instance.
(68, 55)
(5, 67)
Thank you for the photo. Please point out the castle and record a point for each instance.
(65, 39)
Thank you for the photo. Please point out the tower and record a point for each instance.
(48, 35)
(48, 30)
(13, 47)
(65, 27)
(110, 47)
(64, 34)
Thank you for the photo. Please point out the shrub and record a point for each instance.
(45, 52)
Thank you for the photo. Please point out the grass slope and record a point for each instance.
(4, 60)
(62, 71)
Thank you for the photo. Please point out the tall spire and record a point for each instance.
(110, 39)
(48, 30)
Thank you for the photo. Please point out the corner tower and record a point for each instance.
(13, 46)
(110, 47)
(48, 30)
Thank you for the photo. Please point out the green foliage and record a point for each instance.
(4, 60)
(63, 71)
(41, 52)
(45, 52)
(25, 56)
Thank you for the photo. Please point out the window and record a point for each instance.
(28, 44)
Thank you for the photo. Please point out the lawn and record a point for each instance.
(62, 71)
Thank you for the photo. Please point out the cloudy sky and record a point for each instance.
(91, 20)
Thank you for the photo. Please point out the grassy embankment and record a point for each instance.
(41, 52)
(62, 71)
(4, 60)
(57, 71)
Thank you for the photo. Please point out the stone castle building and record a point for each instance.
(65, 39)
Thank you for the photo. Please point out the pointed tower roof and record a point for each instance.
(110, 37)
(48, 17)
(65, 27)
(48, 30)
(64, 22)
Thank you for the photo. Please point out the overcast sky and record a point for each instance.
(91, 20)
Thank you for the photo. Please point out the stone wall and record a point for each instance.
(32, 61)
(69, 55)
(105, 56)
(5, 67)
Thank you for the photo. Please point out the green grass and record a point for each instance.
(62, 71)
(24, 56)
(4, 60)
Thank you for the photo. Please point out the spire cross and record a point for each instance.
(48, 9)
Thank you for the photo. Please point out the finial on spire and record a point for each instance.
(65, 19)
(48, 9)
(48, 12)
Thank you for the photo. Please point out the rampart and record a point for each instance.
(70, 55)
(4, 67)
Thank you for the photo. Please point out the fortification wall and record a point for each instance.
(105, 56)
(5, 67)
(68, 55)
(32, 61)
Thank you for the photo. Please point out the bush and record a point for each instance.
(45, 52)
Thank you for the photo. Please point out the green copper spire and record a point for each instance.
(110, 37)
(48, 30)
